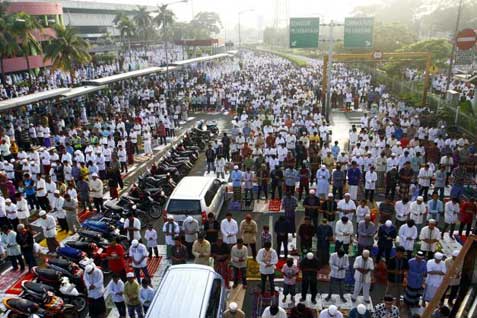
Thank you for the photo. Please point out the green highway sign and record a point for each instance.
(358, 33)
(304, 32)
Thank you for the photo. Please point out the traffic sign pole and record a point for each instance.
(454, 42)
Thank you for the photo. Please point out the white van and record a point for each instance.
(189, 291)
(195, 196)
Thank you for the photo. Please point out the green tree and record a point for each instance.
(126, 29)
(8, 43)
(143, 21)
(390, 37)
(67, 50)
(205, 25)
(163, 19)
(23, 27)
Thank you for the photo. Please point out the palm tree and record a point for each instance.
(126, 29)
(8, 43)
(67, 50)
(143, 21)
(164, 18)
(22, 26)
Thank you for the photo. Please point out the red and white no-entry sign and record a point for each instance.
(466, 39)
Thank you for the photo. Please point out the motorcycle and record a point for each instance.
(51, 307)
(35, 292)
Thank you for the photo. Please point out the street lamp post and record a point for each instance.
(239, 31)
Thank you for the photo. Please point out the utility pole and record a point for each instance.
(331, 43)
(454, 43)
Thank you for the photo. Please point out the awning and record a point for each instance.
(32, 98)
(83, 90)
(200, 59)
(124, 76)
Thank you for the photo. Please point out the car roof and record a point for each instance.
(191, 187)
(182, 291)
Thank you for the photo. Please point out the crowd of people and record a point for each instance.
(18, 84)
(380, 198)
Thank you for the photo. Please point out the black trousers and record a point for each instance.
(383, 250)
(98, 204)
(43, 203)
(338, 190)
(309, 282)
(17, 260)
(467, 227)
(271, 279)
(253, 247)
(151, 249)
(280, 190)
(369, 195)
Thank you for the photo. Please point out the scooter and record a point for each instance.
(52, 307)
(36, 291)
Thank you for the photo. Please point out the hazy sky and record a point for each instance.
(263, 10)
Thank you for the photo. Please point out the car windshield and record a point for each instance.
(184, 207)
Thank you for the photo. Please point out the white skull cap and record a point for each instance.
(361, 309)
(333, 309)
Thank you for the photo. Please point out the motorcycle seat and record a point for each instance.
(38, 288)
(90, 234)
(48, 273)
(79, 245)
(60, 262)
(23, 305)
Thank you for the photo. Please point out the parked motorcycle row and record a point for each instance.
(58, 289)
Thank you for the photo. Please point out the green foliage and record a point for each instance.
(205, 25)
(440, 49)
(442, 18)
(106, 58)
(392, 36)
(67, 50)
(143, 23)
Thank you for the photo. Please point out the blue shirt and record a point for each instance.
(29, 188)
(354, 174)
(398, 133)
(291, 177)
(335, 150)
(415, 275)
(236, 177)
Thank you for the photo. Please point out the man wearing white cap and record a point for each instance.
(451, 215)
(11, 212)
(322, 181)
(454, 281)
(363, 266)
(96, 192)
(347, 207)
(171, 230)
(309, 267)
(58, 208)
(48, 224)
(234, 311)
(94, 283)
(436, 269)
(138, 254)
(418, 212)
(429, 237)
(331, 312)
(360, 311)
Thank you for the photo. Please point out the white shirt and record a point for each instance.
(94, 278)
(425, 177)
(136, 225)
(339, 265)
(137, 253)
(170, 231)
(342, 228)
(426, 234)
(402, 210)
(343, 205)
(11, 211)
(417, 212)
(261, 260)
(49, 226)
(151, 238)
(451, 212)
(433, 279)
(370, 178)
(40, 184)
(23, 211)
(229, 231)
(114, 289)
(407, 237)
(366, 264)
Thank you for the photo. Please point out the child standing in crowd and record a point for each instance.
(266, 235)
(146, 294)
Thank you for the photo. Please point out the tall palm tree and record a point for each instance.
(8, 43)
(22, 26)
(143, 21)
(165, 18)
(126, 29)
(67, 50)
